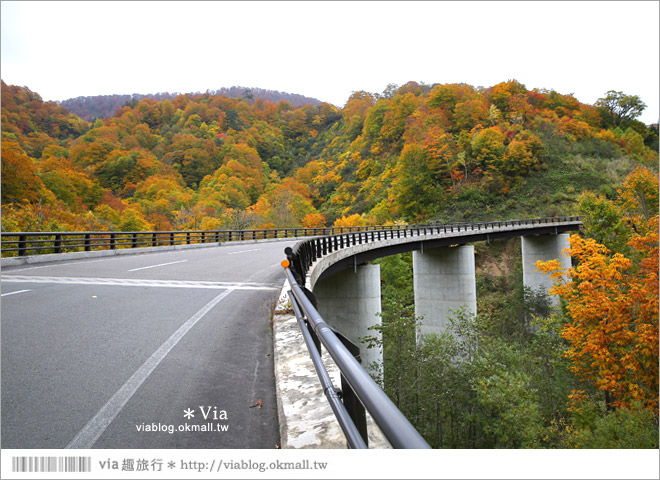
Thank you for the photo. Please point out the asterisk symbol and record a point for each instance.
(171, 465)
(188, 413)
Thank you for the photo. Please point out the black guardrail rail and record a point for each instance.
(359, 391)
(29, 243)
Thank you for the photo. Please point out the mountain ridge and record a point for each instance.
(91, 107)
(416, 153)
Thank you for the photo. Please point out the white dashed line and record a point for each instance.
(154, 266)
(14, 293)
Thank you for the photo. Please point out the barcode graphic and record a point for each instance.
(51, 464)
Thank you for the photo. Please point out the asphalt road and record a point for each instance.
(159, 350)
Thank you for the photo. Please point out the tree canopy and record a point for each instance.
(414, 153)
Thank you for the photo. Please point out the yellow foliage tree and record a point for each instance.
(612, 304)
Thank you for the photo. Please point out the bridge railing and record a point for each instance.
(30, 243)
(306, 252)
(359, 390)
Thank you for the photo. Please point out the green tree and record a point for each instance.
(617, 107)
(634, 427)
(603, 221)
(133, 221)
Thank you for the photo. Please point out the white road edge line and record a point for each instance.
(107, 282)
(91, 432)
(154, 266)
(244, 251)
(14, 293)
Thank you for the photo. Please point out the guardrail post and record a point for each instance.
(22, 245)
(134, 241)
(315, 337)
(113, 241)
(350, 400)
(57, 245)
(154, 239)
(87, 242)
(355, 409)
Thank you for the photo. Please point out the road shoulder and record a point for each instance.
(305, 417)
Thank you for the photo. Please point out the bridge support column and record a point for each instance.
(349, 301)
(544, 248)
(444, 280)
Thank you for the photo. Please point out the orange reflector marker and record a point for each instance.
(286, 263)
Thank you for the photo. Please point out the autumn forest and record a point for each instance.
(411, 154)
(583, 375)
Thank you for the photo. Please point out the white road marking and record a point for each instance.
(243, 251)
(154, 266)
(88, 436)
(140, 283)
(14, 293)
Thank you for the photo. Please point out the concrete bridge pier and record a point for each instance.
(444, 280)
(544, 248)
(349, 301)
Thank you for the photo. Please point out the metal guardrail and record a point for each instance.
(359, 390)
(28, 243)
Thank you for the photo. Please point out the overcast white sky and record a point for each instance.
(329, 49)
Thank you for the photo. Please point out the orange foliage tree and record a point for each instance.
(612, 305)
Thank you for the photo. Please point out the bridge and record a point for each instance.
(102, 349)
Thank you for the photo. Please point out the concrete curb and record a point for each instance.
(305, 417)
(57, 257)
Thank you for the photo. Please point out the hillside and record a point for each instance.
(518, 374)
(103, 106)
(411, 154)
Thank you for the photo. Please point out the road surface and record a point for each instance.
(156, 350)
